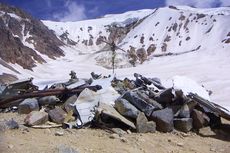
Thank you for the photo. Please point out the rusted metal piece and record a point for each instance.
(48, 92)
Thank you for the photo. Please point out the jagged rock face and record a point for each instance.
(21, 35)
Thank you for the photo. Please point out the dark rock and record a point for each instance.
(28, 105)
(143, 126)
(57, 115)
(36, 118)
(163, 119)
(183, 124)
(165, 97)
(184, 112)
(125, 108)
(139, 103)
(199, 119)
(146, 98)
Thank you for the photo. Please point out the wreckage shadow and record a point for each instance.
(221, 133)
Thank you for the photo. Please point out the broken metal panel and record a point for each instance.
(111, 112)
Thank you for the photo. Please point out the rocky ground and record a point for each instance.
(97, 140)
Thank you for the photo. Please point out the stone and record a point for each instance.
(8, 124)
(184, 112)
(183, 124)
(68, 102)
(12, 124)
(57, 115)
(125, 108)
(36, 118)
(48, 100)
(206, 132)
(28, 105)
(143, 126)
(163, 119)
(114, 136)
(139, 103)
(59, 133)
(165, 97)
(65, 149)
(199, 119)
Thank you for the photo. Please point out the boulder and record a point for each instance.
(165, 97)
(36, 118)
(125, 108)
(184, 112)
(57, 115)
(183, 124)
(68, 102)
(9, 124)
(163, 119)
(139, 103)
(199, 119)
(28, 105)
(142, 124)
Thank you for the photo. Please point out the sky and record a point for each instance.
(74, 10)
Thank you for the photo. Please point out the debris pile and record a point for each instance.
(142, 105)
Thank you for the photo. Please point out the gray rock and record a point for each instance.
(125, 108)
(48, 100)
(163, 119)
(184, 112)
(36, 118)
(199, 119)
(28, 105)
(183, 124)
(68, 102)
(146, 98)
(143, 126)
(139, 103)
(57, 115)
(165, 97)
(65, 149)
(10, 124)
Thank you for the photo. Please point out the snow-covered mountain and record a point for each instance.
(199, 39)
(158, 31)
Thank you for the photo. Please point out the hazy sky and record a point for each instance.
(72, 10)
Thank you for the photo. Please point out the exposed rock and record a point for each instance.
(163, 119)
(151, 49)
(36, 118)
(9, 124)
(164, 47)
(7, 78)
(139, 103)
(28, 105)
(165, 97)
(68, 102)
(125, 108)
(184, 112)
(143, 126)
(57, 115)
(13, 31)
(141, 54)
(183, 124)
(199, 119)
